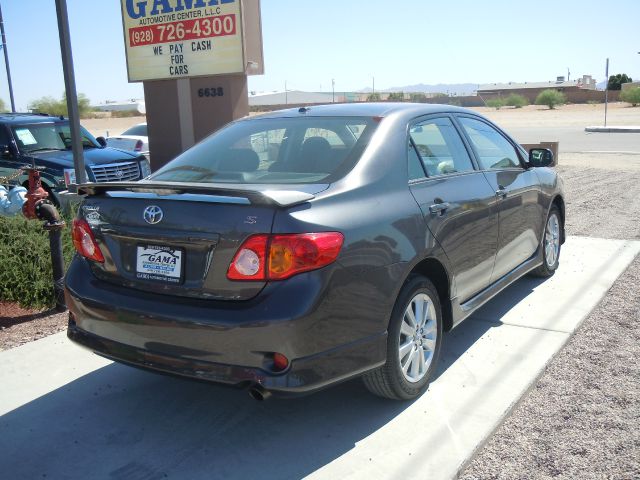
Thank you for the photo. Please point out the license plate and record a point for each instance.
(160, 263)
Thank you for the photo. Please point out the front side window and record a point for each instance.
(494, 151)
(440, 147)
(48, 136)
(274, 151)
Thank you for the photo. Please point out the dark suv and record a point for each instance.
(46, 140)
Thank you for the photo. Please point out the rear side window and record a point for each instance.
(137, 131)
(274, 151)
(494, 151)
(440, 147)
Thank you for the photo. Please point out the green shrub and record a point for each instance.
(517, 101)
(26, 276)
(125, 113)
(59, 107)
(631, 95)
(551, 98)
(396, 97)
(373, 97)
(417, 97)
(496, 103)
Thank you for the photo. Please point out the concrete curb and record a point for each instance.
(614, 129)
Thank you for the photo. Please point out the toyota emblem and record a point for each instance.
(119, 173)
(152, 214)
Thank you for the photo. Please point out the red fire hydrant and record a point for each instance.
(39, 207)
(36, 195)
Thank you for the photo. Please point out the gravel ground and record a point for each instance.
(20, 325)
(582, 418)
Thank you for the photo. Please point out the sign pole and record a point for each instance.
(70, 89)
(6, 63)
(606, 92)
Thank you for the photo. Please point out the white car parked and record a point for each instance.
(134, 139)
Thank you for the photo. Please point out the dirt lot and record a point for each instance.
(581, 115)
(532, 115)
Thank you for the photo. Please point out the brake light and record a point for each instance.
(288, 255)
(85, 242)
(138, 147)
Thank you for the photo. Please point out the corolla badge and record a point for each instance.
(153, 214)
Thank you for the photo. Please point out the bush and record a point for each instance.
(125, 113)
(26, 276)
(551, 98)
(631, 95)
(417, 97)
(396, 97)
(517, 101)
(373, 97)
(496, 103)
(59, 107)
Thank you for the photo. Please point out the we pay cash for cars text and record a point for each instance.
(197, 34)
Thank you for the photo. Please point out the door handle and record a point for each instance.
(501, 192)
(439, 208)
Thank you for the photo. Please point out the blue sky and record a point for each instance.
(307, 43)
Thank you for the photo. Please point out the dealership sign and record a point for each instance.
(182, 38)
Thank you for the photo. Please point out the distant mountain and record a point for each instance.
(451, 88)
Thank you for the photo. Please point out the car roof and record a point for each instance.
(21, 118)
(367, 109)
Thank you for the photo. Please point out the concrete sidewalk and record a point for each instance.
(613, 129)
(69, 414)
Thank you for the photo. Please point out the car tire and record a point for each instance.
(412, 350)
(551, 243)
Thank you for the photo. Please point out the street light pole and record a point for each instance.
(333, 91)
(606, 92)
(6, 63)
(70, 88)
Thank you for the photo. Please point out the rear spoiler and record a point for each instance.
(280, 198)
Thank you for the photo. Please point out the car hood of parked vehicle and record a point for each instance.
(92, 156)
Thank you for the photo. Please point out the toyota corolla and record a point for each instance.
(287, 252)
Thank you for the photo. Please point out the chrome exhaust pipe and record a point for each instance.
(259, 393)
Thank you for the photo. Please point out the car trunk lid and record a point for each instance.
(180, 240)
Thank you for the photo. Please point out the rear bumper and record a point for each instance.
(304, 375)
(225, 342)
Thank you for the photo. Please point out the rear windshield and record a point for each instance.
(137, 131)
(274, 151)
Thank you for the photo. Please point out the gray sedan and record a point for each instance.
(301, 248)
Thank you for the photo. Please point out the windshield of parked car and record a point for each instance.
(274, 151)
(137, 131)
(48, 136)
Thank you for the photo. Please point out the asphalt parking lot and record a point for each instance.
(89, 418)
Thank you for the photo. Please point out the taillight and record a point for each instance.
(138, 147)
(288, 255)
(85, 242)
(249, 262)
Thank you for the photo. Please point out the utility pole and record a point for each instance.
(6, 62)
(606, 92)
(70, 88)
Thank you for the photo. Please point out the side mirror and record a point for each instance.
(541, 157)
(101, 141)
(6, 151)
